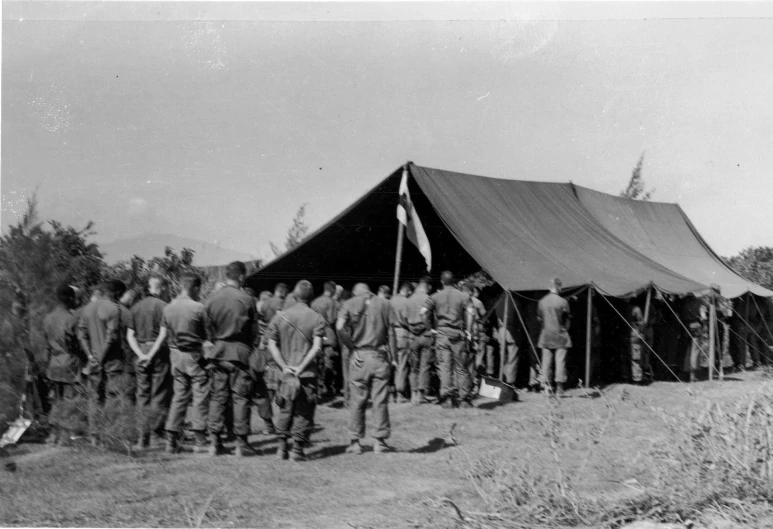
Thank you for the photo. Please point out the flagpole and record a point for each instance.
(400, 237)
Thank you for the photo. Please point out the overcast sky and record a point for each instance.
(220, 129)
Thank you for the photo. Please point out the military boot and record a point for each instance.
(215, 445)
(297, 454)
(242, 445)
(171, 445)
(142, 443)
(281, 452)
(354, 448)
(200, 443)
(380, 447)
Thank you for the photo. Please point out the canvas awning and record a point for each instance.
(522, 233)
(663, 233)
(525, 233)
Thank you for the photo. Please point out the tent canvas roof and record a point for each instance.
(664, 233)
(522, 233)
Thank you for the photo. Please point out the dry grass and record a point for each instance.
(665, 452)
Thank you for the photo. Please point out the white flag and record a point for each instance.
(406, 214)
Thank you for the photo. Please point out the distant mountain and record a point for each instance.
(153, 244)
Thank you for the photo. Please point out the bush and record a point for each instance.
(115, 424)
(717, 463)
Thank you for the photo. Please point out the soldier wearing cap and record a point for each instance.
(554, 340)
(366, 325)
(330, 360)
(384, 292)
(232, 329)
(421, 342)
(65, 358)
(404, 375)
(450, 313)
(153, 363)
(184, 329)
(294, 339)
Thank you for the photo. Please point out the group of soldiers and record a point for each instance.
(280, 353)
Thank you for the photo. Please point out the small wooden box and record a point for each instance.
(496, 389)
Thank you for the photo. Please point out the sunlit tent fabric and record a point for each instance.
(664, 233)
(522, 233)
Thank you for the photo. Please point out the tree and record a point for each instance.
(35, 258)
(754, 264)
(136, 272)
(635, 189)
(296, 234)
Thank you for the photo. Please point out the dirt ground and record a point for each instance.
(435, 448)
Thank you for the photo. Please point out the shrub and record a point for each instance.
(717, 463)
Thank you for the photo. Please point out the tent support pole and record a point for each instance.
(398, 256)
(746, 340)
(647, 305)
(712, 333)
(503, 346)
(588, 331)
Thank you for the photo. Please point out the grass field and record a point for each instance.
(602, 445)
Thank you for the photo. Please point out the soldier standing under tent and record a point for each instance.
(65, 358)
(421, 342)
(554, 340)
(184, 329)
(233, 326)
(330, 359)
(452, 313)
(640, 368)
(478, 332)
(294, 339)
(366, 325)
(401, 304)
(153, 365)
(130, 357)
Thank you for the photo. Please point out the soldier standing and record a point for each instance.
(153, 365)
(233, 327)
(130, 356)
(400, 304)
(366, 325)
(294, 339)
(330, 360)
(478, 332)
(98, 334)
(421, 342)
(554, 340)
(184, 328)
(452, 314)
(65, 358)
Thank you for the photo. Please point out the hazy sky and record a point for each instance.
(220, 129)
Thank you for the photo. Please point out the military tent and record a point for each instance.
(522, 233)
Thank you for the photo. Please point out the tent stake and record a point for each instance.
(588, 331)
